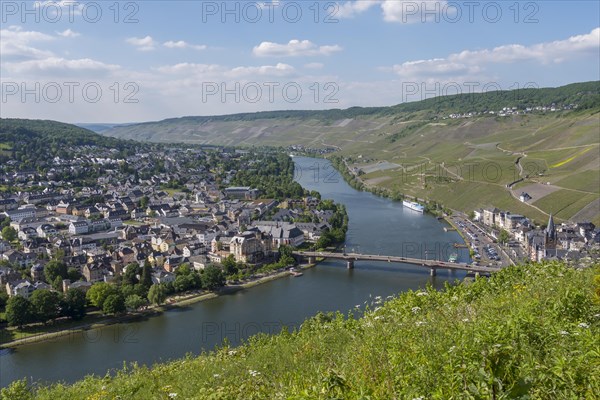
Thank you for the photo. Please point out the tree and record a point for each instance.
(74, 304)
(3, 300)
(146, 278)
(55, 269)
(503, 237)
(212, 278)
(114, 304)
(131, 272)
(134, 302)
(9, 233)
(157, 294)
(73, 274)
(229, 265)
(99, 292)
(19, 311)
(46, 305)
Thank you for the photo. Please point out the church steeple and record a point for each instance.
(551, 229)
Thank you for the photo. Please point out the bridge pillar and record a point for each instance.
(312, 260)
(350, 264)
(432, 272)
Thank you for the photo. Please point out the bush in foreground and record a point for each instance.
(529, 332)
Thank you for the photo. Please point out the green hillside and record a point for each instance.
(528, 332)
(415, 149)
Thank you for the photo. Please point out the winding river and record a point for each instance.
(377, 226)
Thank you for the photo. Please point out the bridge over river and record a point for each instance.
(433, 265)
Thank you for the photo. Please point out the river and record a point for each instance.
(377, 226)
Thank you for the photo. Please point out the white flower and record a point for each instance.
(172, 395)
(419, 323)
(422, 294)
(216, 375)
(465, 320)
(563, 332)
(253, 372)
(583, 325)
(415, 310)
(451, 349)
(418, 398)
(231, 352)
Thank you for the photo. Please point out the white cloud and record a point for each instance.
(183, 45)
(279, 70)
(293, 48)
(408, 11)
(472, 62)
(68, 33)
(219, 72)
(350, 9)
(16, 43)
(142, 44)
(60, 65)
(314, 65)
(556, 51)
(402, 11)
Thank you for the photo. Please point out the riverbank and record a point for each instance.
(151, 311)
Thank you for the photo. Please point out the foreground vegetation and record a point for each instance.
(529, 332)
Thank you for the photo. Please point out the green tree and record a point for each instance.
(131, 272)
(9, 233)
(134, 302)
(212, 278)
(19, 311)
(99, 292)
(114, 304)
(157, 294)
(74, 304)
(229, 265)
(54, 269)
(503, 237)
(46, 305)
(146, 278)
(3, 300)
(73, 274)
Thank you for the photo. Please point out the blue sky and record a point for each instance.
(108, 61)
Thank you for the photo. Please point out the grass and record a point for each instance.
(528, 332)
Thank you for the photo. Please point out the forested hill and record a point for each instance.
(26, 140)
(585, 94)
(312, 128)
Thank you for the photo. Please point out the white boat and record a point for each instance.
(413, 206)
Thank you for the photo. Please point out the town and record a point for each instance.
(134, 227)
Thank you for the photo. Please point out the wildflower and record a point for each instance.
(563, 333)
(583, 325)
(253, 372)
(216, 375)
(422, 294)
(419, 323)
(231, 352)
(172, 395)
(415, 310)
(465, 320)
(451, 349)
